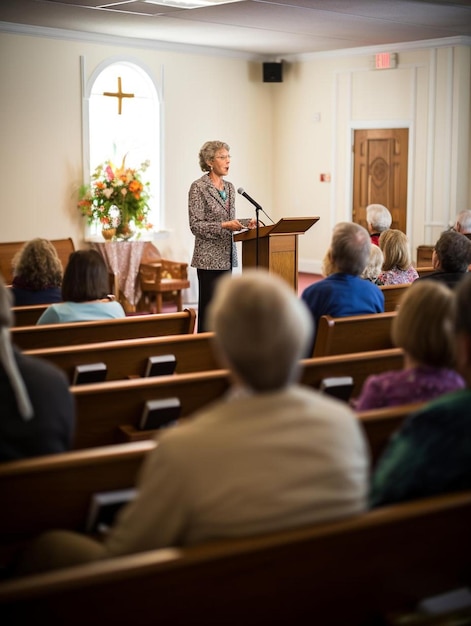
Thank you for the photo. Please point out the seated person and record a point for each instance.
(423, 329)
(38, 410)
(85, 291)
(271, 455)
(463, 223)
(374, 266)
(378, 219)
(450, 259)
(430, 454)
(37, 274)
(343, 292)
(397, 265)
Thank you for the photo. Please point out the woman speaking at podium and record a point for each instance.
(211, 208)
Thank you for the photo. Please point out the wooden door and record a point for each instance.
(380, 173)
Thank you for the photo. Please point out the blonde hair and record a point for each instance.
(395, 247)
(327, 266)
(375, 264)
(423, 326)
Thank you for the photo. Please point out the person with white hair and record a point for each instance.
(463, 223)
(38, 411)
(344, 292)
(378, 219)
(269, 456)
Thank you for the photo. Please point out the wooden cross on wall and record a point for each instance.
(119, 94)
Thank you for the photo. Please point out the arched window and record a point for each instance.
(122, 120)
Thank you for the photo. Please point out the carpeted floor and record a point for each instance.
(304, 280)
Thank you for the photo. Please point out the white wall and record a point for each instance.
(278, 148)
(429, 93)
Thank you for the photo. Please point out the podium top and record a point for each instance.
(285, 226)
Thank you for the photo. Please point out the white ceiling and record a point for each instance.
(270, 29)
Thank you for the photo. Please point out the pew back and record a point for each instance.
(27, 315)
(355, 333)
(8, 249)
(393, 294)
(358, 365)
(128, 358)
(131, 327)
(102, 408)
(351, 572)
(54, 491)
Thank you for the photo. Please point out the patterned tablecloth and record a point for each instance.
(123, 259)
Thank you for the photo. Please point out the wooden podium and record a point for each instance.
(276, 247)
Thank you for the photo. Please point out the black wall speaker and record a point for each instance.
(272, 73)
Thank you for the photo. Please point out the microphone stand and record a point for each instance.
(257, 209)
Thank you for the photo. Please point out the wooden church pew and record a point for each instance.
(393, 294)
(8, 249)
(27, 315)
(356, 333)
(358, 365)
(130, 327)
(103, 408)
(54, 491)
(128, 358)
(380, 424)
(356, 571)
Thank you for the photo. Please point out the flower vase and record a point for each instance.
(124, 231)
(108, 233)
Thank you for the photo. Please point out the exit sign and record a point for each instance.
(385, 61)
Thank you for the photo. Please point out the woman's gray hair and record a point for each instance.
(208, 152)
(7, 357)
(262, 329)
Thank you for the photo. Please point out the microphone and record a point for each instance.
(242, 192)
(246, 195)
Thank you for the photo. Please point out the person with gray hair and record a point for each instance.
(463, 223)
(269, 456)
(38, 411)
(378, 219)
(344, 292)
(430, 453)
(212, 219)
(451, 258)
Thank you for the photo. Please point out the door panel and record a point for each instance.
(380, 173)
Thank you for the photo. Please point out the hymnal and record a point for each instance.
(340, 387)
(104, 506)
(161, 365)
(89, 373)
(160, 413)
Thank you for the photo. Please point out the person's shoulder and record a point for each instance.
(116, 307)
(40, 368)
(201, 181)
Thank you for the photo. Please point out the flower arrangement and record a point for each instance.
(116, 197)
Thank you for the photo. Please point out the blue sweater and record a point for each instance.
(340, 295)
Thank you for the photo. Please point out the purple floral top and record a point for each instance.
(398, 277)
(403, 386)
